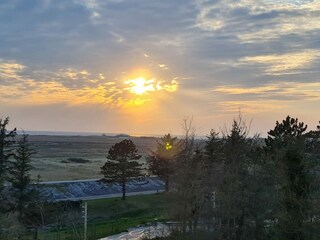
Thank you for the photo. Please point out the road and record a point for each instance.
(110, 196)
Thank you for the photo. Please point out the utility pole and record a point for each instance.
(85, 216)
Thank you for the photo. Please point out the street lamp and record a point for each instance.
(85, 216)
(168, 146)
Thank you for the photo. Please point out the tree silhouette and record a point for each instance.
(121, 165)
(286, 144)
(7, 139)
(20, 174)
(161, 162)
(6, 150)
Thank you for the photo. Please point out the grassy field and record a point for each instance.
(110, 216)
(52, 160)
(80, 157)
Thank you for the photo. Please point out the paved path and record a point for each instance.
(111, 196)
(146, 232)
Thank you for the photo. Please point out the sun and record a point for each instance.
(140, 85)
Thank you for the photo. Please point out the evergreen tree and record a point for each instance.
(162, 161)
(213, 147)
(286, 144)
(7, 139)
(121, 165)
(313, 157)
(234, 169)
(20, 175)
(232, 195)
(6, 150)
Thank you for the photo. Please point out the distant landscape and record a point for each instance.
(165, 120)
(77, 157)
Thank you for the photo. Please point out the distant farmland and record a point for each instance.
(77, 157)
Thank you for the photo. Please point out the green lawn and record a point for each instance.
(110, 216)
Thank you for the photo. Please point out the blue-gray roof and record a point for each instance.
(94, 189)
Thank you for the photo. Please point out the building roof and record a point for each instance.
(95, 189)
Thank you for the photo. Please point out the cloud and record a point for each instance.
(74, 87)
(172, 86)
(74, 78)
(204, 19)
(262, 20)
(279, 91)
(91, 5)
(9, 70)
(247, 107)
(255, 54)
(284, 63)
(291, 18)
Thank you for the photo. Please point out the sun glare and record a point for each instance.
(140, 85)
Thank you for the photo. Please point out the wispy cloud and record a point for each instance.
(10, 70)
(205, 20)
(290, 17)
(72, 86)
(92, 6)
(277, 64)
(247, 107)
(279, 91)
(258, 20)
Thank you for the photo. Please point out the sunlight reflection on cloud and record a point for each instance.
(293, 2)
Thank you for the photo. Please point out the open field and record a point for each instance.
(77, 157)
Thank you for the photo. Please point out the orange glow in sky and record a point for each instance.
(140, 85)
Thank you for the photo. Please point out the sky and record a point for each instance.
(142, 66)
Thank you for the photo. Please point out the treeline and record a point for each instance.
(231, 186)
(239, 187)
(23, 210)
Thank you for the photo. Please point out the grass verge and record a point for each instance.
(111, 216)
